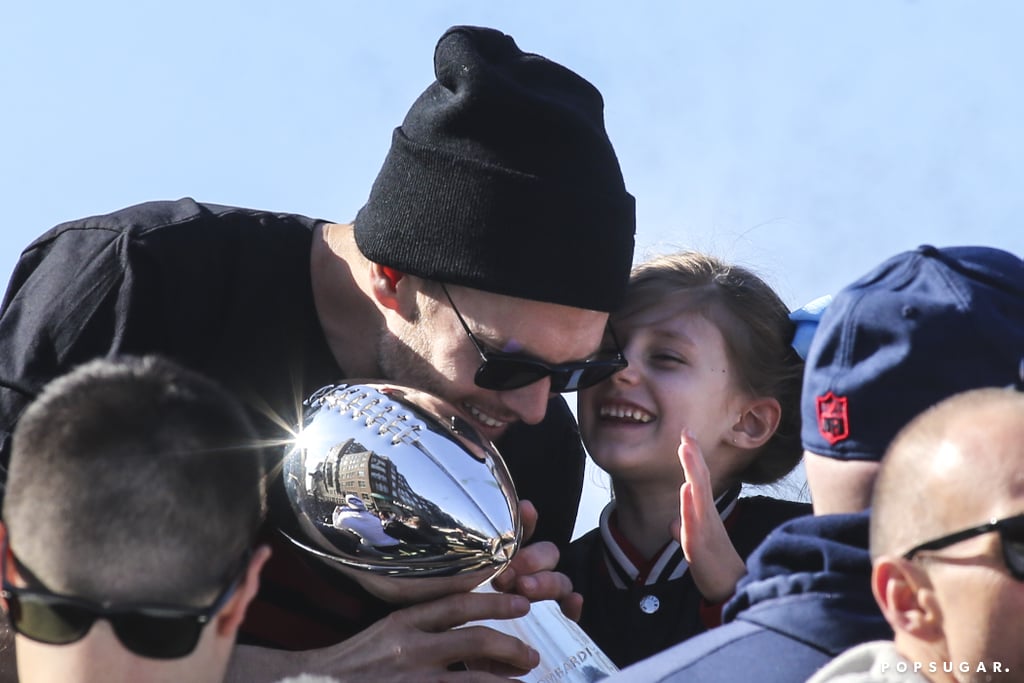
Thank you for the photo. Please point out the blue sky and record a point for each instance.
(806, 139)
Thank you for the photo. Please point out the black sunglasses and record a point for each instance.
(501, 371)
(1011, 535)
(148, 630)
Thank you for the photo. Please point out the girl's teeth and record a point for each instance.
(626, 414)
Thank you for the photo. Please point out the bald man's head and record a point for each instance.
(945, 466)
(951, 488)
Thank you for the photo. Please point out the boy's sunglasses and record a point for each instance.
(148, 630)
(501, 371)
(1011, 535)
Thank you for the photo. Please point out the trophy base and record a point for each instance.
(567, 653)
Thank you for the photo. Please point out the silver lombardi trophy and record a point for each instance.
(393, 487)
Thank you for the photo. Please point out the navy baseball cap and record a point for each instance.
(924, 325)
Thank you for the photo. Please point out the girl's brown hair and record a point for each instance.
(758, 333)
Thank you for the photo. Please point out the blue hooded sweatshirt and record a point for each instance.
(806, 598)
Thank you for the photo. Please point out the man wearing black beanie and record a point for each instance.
(494, 242)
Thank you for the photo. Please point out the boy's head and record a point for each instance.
(131, 482)
(922, 326)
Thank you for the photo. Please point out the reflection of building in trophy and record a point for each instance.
(350, 468)
(344, 471)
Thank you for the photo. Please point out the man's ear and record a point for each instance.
(8, 560)
(6, 550)
(230, 618)
(5, 543)
(906, 598)
(385, 287)
(756, 424)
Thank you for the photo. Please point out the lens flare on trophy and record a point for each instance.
(396, 484)
(396, 489)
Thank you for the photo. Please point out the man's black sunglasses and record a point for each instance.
(1011, 534)
(149, 630)
(501, 371)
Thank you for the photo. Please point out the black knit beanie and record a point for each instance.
(502, 178)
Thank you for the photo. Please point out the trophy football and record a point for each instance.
(395, 488)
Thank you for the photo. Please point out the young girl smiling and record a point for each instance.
(710, 400)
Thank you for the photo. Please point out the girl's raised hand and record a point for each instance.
(715, 565)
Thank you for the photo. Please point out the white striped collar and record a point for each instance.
(671, 563)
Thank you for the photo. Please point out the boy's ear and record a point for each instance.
(906, 598)
(230, 618)
(757, 423)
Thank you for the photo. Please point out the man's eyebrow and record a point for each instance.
(514, 346)
(511, 346)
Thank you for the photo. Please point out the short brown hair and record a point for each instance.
(134, 479)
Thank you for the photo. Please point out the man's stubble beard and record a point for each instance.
(404, 361)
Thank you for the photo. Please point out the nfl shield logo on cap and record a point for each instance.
(833, 421)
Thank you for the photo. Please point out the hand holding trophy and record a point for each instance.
(393, 487)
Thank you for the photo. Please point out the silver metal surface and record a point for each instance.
(396, 489)
(396, 483)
